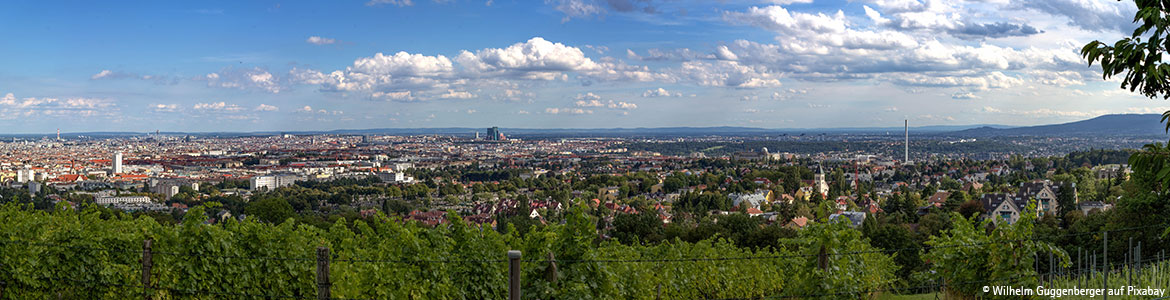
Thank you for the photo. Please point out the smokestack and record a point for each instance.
(907, 158)
(58, 134)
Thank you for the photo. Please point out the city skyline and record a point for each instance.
(293, 66)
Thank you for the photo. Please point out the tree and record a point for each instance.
(644, 227)
(971, 208)
(1140, 60)
(1066, 199)
(271, 209)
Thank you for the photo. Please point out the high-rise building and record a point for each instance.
(24, 175)
(118, 163)
(493, 134)
(906, 159)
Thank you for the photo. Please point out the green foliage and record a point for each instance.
(1140, 55)
(966, 257)
(386, 258)
(272, 210)
(862, 271)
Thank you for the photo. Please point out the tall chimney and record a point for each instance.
(907, 158)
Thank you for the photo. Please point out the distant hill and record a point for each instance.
(1146, 125)
(1106, 125)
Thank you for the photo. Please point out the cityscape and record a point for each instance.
(585, 149)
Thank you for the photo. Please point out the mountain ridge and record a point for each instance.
(1112, 124)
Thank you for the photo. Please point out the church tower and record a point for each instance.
(819, 183)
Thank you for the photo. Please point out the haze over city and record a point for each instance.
(273, 65)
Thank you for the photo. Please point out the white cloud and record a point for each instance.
(217, 106)
(727, 74)
(399, 3)
(593, 100)
(165, 107)
(589, 103)
(403, 64)
(536, 58)
(788, 94)
(102, 74)
(660, 92)
(1148, 110)
(244, 79)
(1045, 112)
(453, 94)
(930, 117)
(1088, 14)
(266, 107)
(316, 40)
(576, 8)
(396, 96)
(12, 107)
(787, 2)
(112, 75)
(567, 111)
(514, 95)
(411, 76)
(588, 96)
(962, 95)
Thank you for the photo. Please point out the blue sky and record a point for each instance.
(318, 65)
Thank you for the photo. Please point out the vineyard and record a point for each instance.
(83, 255)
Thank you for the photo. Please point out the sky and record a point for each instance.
(240, 66)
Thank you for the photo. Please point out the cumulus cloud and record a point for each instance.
(413, 76)
(660, 92)
(1087, 14)
(727, 74)
(244, 79)
(962, 95)
(906, 44)
(453, 94)
(102, 74)
(395, 96)
(48, 107)
(165, 107)
(788, 94)
(266, 107)
(594, 100)
(316, 40)
(567, 111)
(536, 58)
(217, 106)
(514, 95)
